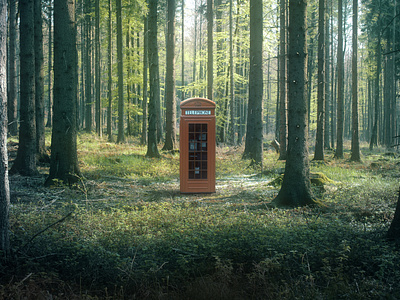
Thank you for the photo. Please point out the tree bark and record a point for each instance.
(39, 83)
(232, 125)
(49, 122)
(374, 135)
(109, 63)
(170, 114)
(120, 137)
(282, 82)
(4, 184)
(319, 141)
(355, 139)
(12, 72)
(328, 77)
(97, 69)
(64, 157)
(296, 187)
(210, 52)
(25, 162)
(254, 142)
(145, 71)
(340, 87)
(88, 66)
(154, 99)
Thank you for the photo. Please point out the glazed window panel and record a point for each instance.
(198, 145)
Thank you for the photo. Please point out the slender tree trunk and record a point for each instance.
(170, 136)
(12, 69)
(310, 69)
(232, 128)
(88, 67)
(64, 157)
(25, 162)
(328, 112)
(49, 123)
(128, 64)
(145, 71)
(340, 83)
(254, 142)
(319, 141)
(195, 45)
(39, 83)
(355, 139)
(374, 135)
(4, 184)
(220, 95)
(154, 99)
(120, 137)
(210, 43)
(97, 68)
(282, 82)
(109, 61)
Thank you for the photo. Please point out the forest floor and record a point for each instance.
(126, 232)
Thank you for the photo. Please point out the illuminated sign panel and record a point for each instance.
(198, 112)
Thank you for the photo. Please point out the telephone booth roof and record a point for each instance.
(197, 103)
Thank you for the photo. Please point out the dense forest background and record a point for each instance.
(99, 89)
(307, 132)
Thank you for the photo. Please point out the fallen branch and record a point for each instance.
(43, 230)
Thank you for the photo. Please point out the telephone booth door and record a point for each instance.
(197, 146)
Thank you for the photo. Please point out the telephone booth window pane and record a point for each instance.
(198, 145)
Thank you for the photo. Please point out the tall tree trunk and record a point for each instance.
(88, 66)
(374, 135)
(210, 43)
(170, 134)
(232, 125)
(220, 95)
(282, 82)
(355, 139)
(310, 68)
(195, 45)
(340, 86)
(49, 122)
(25, 162)
(296, 187)
(154, 99)
(327, 79)
(120, 137)
(145, 71)
(64, 157)
(254, 142)
(319, 141)
(109, 62)
(97, 68)
(4, 184)
(128, 64)
(39, 83)
(12, 72)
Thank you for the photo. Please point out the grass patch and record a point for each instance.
(132, 234)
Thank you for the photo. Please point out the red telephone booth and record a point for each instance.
(197, 146)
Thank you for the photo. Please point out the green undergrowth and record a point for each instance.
(129, 233)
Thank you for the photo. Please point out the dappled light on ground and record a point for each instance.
(128, 226)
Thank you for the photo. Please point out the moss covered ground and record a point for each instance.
(125, 231)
